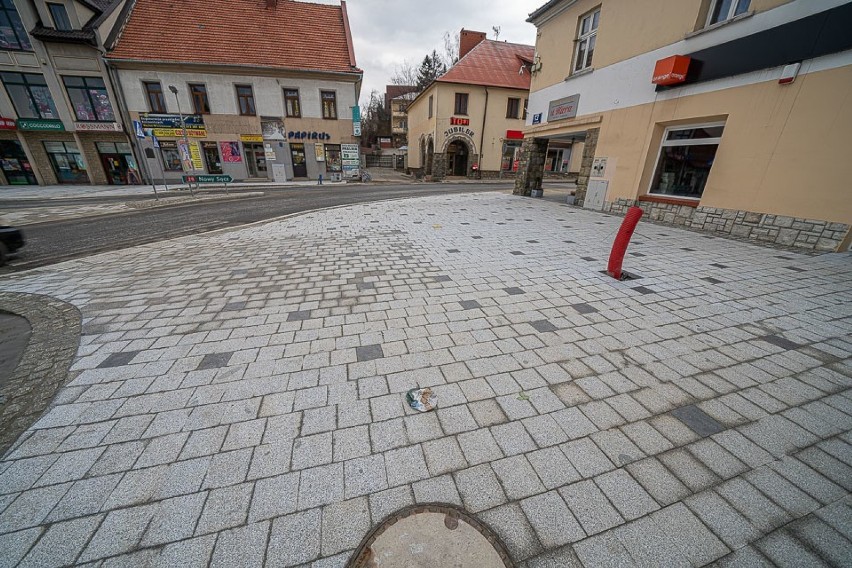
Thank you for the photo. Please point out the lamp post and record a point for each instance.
(174, 90)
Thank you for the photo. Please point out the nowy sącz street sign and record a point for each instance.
(208, 179)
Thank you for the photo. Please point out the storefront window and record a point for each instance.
(12, 32)
(67, 162)
(558, 159)
(171, 156)
(15, 164)
(511, 156)
(30, 95)
(118, 163)
(686, 156)
(333, 161)
(89, 99)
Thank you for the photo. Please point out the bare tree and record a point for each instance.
(451, 49)
(404, 74)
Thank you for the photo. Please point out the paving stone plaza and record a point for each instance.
(238, 398)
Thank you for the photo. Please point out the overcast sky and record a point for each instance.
(388, 32)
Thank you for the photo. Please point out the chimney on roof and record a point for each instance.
(469, 39)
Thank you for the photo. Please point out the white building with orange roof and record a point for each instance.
(469, 122)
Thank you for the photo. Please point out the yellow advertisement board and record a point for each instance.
(177, 132)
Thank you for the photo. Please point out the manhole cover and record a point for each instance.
(431, 535)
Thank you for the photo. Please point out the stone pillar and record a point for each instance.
(439, 166)
(591, 144)
(531, 167)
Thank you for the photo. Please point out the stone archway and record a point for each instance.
(423, 153)
(458, 156)
(430, 154)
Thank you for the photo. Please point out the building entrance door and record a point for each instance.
(300, 168)
(457, 159)
(255, 160)
(211, 157)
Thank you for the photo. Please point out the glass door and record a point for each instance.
(300, 168)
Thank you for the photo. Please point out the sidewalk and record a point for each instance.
(238, 397)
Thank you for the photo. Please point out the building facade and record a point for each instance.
(469, 122)
(397, 100)
(281, 110)
(721, 115)
(59, 121)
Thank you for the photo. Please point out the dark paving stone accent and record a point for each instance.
(697, 420)
(476, 237)
(584, 308)
(369, 352)
(240, 272)
(465, 223)
(781, 342)
(644, 290)
(795, 269)
(301, 315)
(103, 306)
(663, 234)
(514, 291)
(637, 254)
(469, 304)
(516, 253)
(43, 367)
(712, 280)
(534, 242)
(717, 265)
(453, 250)
(231, 306)
(543, 326)
(214, 361)
(442, 278)
(118, 359)
(589, 258)
(362, 286)
(782, 257)
(687, 249)
(568, 242)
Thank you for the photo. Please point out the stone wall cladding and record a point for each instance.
(792, 232)
(591, 145)
(530, 166)
(439, 166)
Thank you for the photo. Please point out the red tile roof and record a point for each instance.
(288, 35)
(493, 63)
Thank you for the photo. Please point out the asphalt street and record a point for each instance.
(52, 242)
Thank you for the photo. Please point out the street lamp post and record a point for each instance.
(174, 90)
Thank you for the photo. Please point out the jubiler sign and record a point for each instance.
(458, 130)
(563, 108)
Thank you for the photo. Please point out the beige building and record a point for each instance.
(728, 116)
(469, 121)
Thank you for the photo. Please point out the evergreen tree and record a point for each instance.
(431, 68)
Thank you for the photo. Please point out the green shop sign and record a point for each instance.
(39, 124)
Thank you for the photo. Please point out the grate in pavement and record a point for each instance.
(118, 359)
(781, 342)
(697, 420)
(214, 361)
(369, 352)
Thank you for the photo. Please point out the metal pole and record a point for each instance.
(162, 170)
(174, 90)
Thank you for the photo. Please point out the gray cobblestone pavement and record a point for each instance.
(237, 398)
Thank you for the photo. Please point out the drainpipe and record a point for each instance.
(482, 136)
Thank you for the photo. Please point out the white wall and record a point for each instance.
(268, 92)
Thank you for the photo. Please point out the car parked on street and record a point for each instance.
(11, 239)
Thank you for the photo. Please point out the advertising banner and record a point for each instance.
(231, 152)
(190, 158)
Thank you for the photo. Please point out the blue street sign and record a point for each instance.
(156, 141)
(537, 118)
(137, 127)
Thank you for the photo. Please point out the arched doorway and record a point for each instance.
(457, 155)
(422, 152)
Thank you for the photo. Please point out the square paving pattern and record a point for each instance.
(238, 397)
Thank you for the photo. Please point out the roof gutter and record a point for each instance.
(349, 74)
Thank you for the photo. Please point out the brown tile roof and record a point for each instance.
(288, 35)
(493, 63)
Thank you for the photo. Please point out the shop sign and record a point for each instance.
(514, 135)
(459, 121)
(671, 70)
(350, 159)
(230, 152)
(190, 121)
(458, 130)
(356, 114)
(356, 128)
(97, 126)
(178, 133)
(40, 124)
(308, 135)
(537, 118)
(561, 109)
(7, 124)
(269, 152)
(190, 158)
(251, 137)
(273, 129)
(319, 150)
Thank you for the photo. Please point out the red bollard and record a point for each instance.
(622, 239)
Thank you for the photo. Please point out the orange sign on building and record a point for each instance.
(671, 70)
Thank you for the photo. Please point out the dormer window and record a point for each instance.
(59, 15)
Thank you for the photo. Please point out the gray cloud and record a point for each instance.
(388, 32)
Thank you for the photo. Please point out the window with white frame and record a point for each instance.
(721, 10)
(587, 32)
(686, 155)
